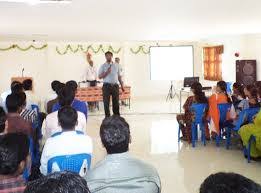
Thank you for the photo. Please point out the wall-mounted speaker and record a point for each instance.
(246, 71)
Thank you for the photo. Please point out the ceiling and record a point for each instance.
(129, 20)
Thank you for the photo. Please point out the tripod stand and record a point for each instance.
(172, 92)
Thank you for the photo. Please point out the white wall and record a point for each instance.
(253, 51)
(34, 62)
(232, 44)
(45, 66)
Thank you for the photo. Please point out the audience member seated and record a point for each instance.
(16, 123)
(3, 122)
(27, 114)
(219, 97)
(67, 142)
(258, 86)
(51, 123)
(185, 119)
(236, 93)
(239, 98)
(254, 129)
(239, 102)
(119, 171)
(229, 183)
(8, 92)
(15, 87)
(14, 155)
(31, 98)
(58, 182)
(251, 93)
(78, 105)
(56, 87)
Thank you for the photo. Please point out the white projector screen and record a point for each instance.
(171, 63)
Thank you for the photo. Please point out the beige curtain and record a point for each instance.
(212, 62)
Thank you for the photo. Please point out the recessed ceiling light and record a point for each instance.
(37, 1)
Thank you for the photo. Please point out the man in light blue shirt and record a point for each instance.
(110, 73)
(119, 172)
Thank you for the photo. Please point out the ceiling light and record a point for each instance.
(33, 2)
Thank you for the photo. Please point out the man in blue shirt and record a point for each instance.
(70, 89)
(110, 73)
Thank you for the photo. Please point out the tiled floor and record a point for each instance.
(154, 140)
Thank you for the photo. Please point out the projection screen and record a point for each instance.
(171, 63)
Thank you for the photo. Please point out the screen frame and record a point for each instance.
(170, 46)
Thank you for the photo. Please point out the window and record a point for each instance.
(212, 62)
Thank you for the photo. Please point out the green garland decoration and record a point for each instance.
(140, 49)
(15, 46)
(100, 48)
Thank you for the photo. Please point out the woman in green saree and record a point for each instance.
(254, 129)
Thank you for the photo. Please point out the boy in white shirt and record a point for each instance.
(68, 142)
(51, 123)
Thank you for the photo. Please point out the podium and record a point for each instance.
(94, 94)
(20, 79)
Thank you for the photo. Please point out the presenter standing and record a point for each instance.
(110, 73)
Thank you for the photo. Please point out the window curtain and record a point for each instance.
(212, 62)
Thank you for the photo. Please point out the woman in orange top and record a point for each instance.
(219, 97)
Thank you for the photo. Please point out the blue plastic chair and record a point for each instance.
(251, 112)
(199, 111)
(37, 128)
(27, 171)
(36, 123)
(229, 87)
(248, 148)
(245, 115)
(223, 110)
(73, 163)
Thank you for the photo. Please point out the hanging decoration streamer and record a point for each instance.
(15, 46)
(80, 48)
(140, 50)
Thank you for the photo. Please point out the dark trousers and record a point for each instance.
(113, 91)
(93, 83)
